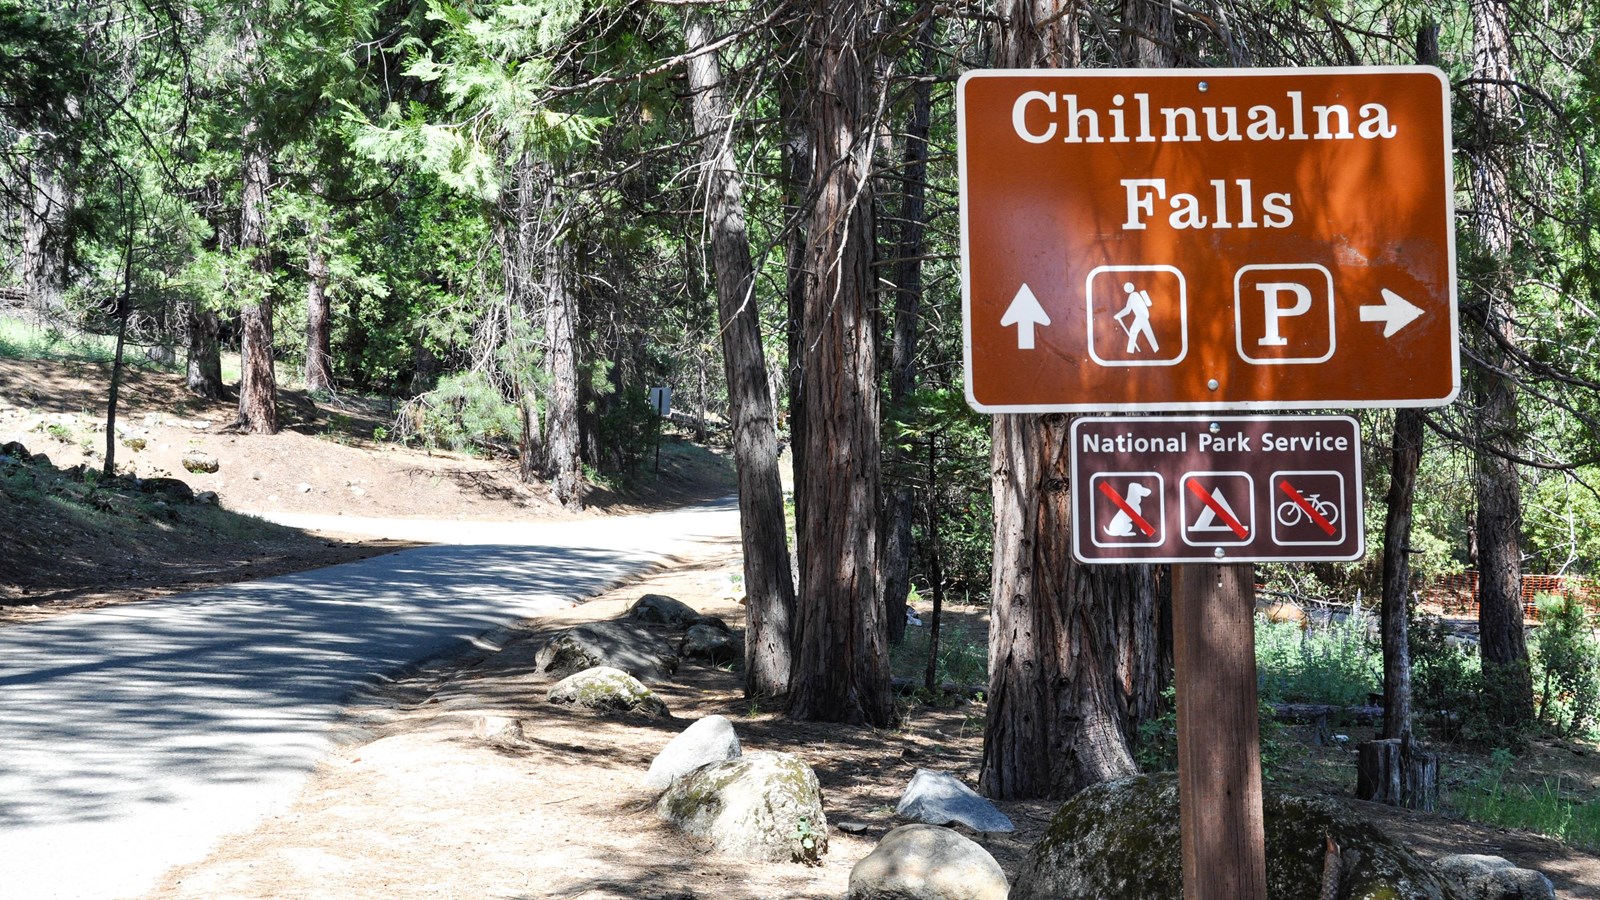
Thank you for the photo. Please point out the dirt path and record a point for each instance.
(417, 806)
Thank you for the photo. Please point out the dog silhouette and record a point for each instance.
(1121, 524)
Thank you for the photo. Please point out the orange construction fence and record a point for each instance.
(1459, 593)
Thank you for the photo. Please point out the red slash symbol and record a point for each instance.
(1133, 514)
(1221, 511)
(1309, 509)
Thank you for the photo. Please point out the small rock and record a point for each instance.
(706, 642)
(201, 463)
(765, 806)
(661, 609)
(853, 827)
(605, 689)
(208, 498)
(358, 492)
(502, 731)
(303, 488)
(926, 862)
(709, 740)
(14, 449)
(938, 798)
(1481, 877)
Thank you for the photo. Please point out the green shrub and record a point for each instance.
(1335, 663)
(467, 412)
(1495, 799)
(1566, 658)
(1449, 689)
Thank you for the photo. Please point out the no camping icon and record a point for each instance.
(1218, 509)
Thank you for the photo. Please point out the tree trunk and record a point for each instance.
(1072, 649)
(1054, 722)
(515, 233)
(797, 177)
(1499, 492)
(841, 662)
(319, 348)
(1407, 453)
(44, 236)
(561, 405)
(258, 388)
(903, 356)
(768, 582)
(203, 376)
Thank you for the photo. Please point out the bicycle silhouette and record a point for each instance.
(1291, 513)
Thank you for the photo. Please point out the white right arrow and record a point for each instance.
(1024, 312)
(1395, 313)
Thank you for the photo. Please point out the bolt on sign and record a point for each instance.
(1217, 489)
(1207, 239)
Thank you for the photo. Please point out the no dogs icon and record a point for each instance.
(1129, 509)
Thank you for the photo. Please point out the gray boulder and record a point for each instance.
(764, 806)
(1120, 839)
(708, 643)
(926, 862)
(638, 651)
(1479, 877)
(660, 609)
(710, 740)
(605, 689)
(938, 798)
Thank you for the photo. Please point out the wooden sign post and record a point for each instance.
(1209, 239)
(1219, 750)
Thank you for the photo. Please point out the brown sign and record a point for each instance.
(1216, 488)
(1207, 239)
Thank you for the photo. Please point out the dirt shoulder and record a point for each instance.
(415, 805)
(76, 540)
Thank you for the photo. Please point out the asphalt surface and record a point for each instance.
(134, 737)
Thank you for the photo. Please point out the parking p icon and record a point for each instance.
(1283, 315)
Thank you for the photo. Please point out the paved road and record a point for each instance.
(132, 738)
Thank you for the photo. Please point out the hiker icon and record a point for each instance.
(1121, 524)
(1138, 308)
(1136, 315)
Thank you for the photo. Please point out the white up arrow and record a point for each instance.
(1395, 313)
(1024, 312)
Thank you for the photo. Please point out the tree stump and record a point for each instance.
(1389, 771)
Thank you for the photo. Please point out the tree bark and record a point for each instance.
(258, 388)
(1503, 644)
(901, 507)
(319, 312)
(797, 177)
(841, 661)
(515, 231)
(203, 375)
(1054, 723)
(768, 581)
(1072, 649)
(561, 405)
(44, 236)
(1406, 455)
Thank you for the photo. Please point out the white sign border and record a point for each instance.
(1235, 405)
(1359, 489)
